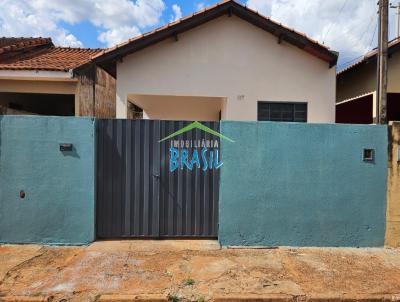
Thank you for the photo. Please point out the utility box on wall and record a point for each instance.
(47, 187)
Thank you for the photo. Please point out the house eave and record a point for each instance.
(226, 8)
(37, 75)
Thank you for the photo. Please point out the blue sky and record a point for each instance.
(87, 32)
(347, 26)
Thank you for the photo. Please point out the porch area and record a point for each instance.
(362, 109)
(180, 108)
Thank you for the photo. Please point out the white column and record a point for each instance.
(374, 100)
(121, 104)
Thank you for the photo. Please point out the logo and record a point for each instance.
(194, 153)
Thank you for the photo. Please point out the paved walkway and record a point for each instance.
(196, 271)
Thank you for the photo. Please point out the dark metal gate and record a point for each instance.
(138, 194)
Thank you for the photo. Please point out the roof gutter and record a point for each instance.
(37, 75)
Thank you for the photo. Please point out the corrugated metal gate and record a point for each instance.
(138, 195)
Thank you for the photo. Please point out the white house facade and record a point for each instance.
(226, 62)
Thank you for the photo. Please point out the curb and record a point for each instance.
(25, 299)
(135, 298)
(230, 298)
(355, 298)
(311, 298)
(255, 298)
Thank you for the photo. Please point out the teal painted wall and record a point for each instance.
(59, 204)
(302, 185)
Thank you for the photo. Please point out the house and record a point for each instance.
(356, 88)
(37, 77)
(224, 62)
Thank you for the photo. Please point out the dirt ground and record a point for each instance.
(195, 271)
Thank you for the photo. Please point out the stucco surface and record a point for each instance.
(59, 186)
(393, 194)
(29, 86)
(302, 185)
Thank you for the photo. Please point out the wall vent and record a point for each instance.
(368, 155)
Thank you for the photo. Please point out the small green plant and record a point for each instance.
(173, 298)
(188, 282)
(201, 299)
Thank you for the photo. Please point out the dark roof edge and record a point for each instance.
(394, 46)
(228, 7)
(27, 43)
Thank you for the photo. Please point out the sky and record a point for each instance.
(347, 26)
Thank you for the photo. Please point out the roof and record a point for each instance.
(41, 54)
(227, 7)
(394, 45)
(9, 44)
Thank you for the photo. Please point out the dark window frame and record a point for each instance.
(293, 111)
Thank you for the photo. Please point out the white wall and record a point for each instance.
(229, 57)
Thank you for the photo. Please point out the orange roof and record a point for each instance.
(8, 44)
(225, 7)
(41, 54)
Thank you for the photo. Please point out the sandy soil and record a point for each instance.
(195, 271)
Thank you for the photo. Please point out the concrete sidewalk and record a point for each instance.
(196, 271)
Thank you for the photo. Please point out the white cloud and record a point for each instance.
(66, 39)
(117, 20)
(177, 12)
(262, 6)
(200, 6)
(17, 18)
(349, 32)
(115, 36)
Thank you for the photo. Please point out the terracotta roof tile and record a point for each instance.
(320, 50)
(10, 44)
(50, 58)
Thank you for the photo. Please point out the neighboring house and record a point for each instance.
(224, 62)
(356, 88)
(37, 77)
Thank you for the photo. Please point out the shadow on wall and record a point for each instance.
(72, 153)
(1, 119)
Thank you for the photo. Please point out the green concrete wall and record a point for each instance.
(58, 207)
(288, 184)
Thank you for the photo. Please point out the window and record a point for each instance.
(282, 112)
